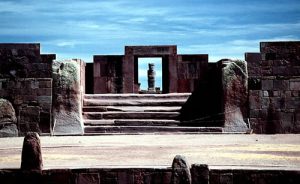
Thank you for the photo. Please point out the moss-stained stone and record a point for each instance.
(235, 90)
(8, 119)
(66, 98)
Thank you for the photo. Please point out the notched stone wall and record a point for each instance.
(26, 81)
(274, 88)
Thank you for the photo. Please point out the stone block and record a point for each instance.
(293, 103)
(44, 99)
(45, 84)
(226, 178)
(266, 71)
(254, 84)
(256, 125)
(265, 94)
(276, 93)
(88, 178)
(295, 93)
(200, 174)
(295, 85)
(44, 92)
(125, 177)
(287, 121)
(254, 99)
(281, 85)
(214, 177)
(267, 84)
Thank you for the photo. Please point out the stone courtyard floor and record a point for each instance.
(217, 150)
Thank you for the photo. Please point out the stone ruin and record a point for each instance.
(47, 96)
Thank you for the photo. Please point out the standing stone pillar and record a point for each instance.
(151, 77)
(181, 173)
(31, 153)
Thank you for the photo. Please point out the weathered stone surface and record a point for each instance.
(24, 61)
(67, 108)
(280, 81)
(31, 153)
(235, 90)
(8, 119)
(7, 112)
(200, 174)
(181, 173)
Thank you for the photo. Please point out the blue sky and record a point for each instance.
(83, 28)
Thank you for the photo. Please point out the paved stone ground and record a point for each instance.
(219, 150)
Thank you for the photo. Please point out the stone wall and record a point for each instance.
(32, 100)
(119, 73)
(24, 61)
(26, 81)
(108, 74)
(149, 176)
(274, 87)
(191, 71)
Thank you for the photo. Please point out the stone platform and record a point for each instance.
(218, 151)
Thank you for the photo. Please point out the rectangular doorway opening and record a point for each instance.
(154, 66)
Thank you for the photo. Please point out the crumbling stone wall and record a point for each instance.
(274, 87)
(26, 81)
(32, 100)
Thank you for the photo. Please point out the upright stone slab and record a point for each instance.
(181, 173)
(67, 105)
(8, 119)
(31, 153)
(235, 91)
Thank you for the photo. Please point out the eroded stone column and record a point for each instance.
(151, 77)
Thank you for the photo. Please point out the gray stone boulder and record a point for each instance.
(8, 120)
(67, 109)
(235, 91)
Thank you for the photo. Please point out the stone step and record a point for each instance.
(130, 115)
(137, 102)
(130, 96)
(132, 122)
(131, 108)
(97, 130)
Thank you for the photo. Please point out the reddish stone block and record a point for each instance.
(295, 85)
(88, 178)
(281, 85)
(267, 84)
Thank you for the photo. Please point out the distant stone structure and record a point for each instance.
(119, 73)
(263, 94)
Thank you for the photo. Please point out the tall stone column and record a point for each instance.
(151, 77)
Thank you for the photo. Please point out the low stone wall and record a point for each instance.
(147, 176)
(32, 100)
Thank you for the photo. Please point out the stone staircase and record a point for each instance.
(135, 113)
